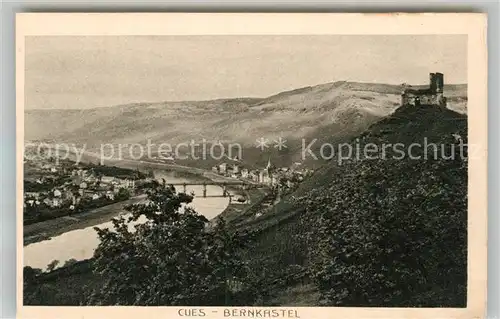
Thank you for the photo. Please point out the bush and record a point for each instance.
(395, 232)
(171, 259)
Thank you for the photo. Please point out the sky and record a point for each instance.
(73, 72)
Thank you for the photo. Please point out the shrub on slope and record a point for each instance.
(393, 232)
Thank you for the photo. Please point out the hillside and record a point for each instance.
(363, 232)
(337, 110)
(375, 232)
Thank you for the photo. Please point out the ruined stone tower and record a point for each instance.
(431, 96)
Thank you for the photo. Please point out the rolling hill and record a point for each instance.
(365, 232)
(337, 110)
(384, 231)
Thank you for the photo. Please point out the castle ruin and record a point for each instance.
(430, 96)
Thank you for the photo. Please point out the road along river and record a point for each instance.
(80, 244)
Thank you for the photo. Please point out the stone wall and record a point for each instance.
(424, 99)
(431, 96)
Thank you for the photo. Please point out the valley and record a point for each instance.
(348, 235)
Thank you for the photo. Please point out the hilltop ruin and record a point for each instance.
(430, 96)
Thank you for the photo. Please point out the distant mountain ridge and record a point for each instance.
(332, 109)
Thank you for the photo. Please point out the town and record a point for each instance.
(55, 188)
(278, 181)
(287, 177)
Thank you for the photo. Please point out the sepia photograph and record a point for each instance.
(251, 175)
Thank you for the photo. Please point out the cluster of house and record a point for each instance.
(270, 175)
(163, 157)
(83, 184)
(48, 168)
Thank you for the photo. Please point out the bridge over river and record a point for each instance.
(213, 179)
(222, 185)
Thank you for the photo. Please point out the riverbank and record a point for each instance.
(236, 211)
(45, 230)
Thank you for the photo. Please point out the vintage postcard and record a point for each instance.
(176, 165)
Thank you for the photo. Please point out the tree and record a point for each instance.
(30, 274)
(53, 264)
(395, 235)
(151, 173)
(34, 292)
(99, 175)
(70, 262)
(176, 257)
(123, 194)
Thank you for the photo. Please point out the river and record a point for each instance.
(80, 244)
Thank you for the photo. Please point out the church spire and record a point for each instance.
(269, 165)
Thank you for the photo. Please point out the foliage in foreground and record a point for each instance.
(393, 232)
(174, 258)
(372, 232)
